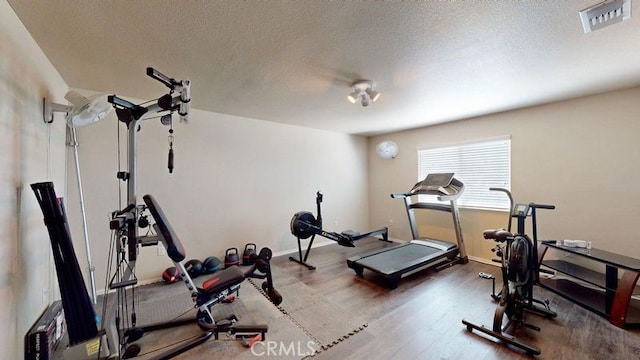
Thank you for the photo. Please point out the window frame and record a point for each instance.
(476, 194)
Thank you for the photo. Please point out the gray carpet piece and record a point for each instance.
(324, 321)
(306, 323)
(161, 303)
(284, 340)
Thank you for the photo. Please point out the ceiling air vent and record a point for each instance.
(604, 14)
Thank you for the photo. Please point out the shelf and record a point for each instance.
(609, 294)
(592, 299)
(609, 258)
(577, 271)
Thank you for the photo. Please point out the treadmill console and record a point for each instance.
(441, 184)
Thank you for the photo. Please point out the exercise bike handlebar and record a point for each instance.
(506, 191)
(542, 206)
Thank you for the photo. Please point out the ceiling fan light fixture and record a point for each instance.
(353, 97)
(363, 91)
(374, 95)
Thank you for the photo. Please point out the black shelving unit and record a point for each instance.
(609, 293)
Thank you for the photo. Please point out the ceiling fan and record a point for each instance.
(83, 110)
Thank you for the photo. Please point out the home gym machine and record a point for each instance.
(304, 225)
(125, 223)
(520, 269)
(86, 340)
(421, 253)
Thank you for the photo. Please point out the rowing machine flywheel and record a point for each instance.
(299, 223)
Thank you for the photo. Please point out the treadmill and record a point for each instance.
(395, 262)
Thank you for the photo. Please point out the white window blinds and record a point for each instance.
(479, 165)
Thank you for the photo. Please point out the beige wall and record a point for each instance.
(30, 151)
(579, 155)
(236, 180)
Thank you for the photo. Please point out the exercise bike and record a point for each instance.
(520, 272)
(304, 225)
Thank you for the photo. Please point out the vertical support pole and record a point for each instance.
(132, 229)
(412, 217)
(611, 286)
(456, 224)
(92, 281)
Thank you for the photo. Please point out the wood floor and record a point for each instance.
(421, 319)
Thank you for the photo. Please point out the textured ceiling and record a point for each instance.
(293, 61)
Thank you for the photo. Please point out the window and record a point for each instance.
(479, 165)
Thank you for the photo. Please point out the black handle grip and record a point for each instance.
(498, 189)
(542, 206)
(170, 161)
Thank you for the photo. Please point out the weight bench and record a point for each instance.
(217, 288)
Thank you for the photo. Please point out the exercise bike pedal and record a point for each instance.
(484, 275)
(491, 277)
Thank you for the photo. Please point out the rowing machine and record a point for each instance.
(305, 225)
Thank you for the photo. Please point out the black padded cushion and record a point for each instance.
(174, 246)
(223, 280)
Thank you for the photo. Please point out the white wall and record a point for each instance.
(579, 155)
(236, 180)
(30, 151)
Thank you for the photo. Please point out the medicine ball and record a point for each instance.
(211, 265)
(248, 256)
(231, 257)
(194, 268)
(171, 275)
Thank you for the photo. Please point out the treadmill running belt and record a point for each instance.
(400, 258)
